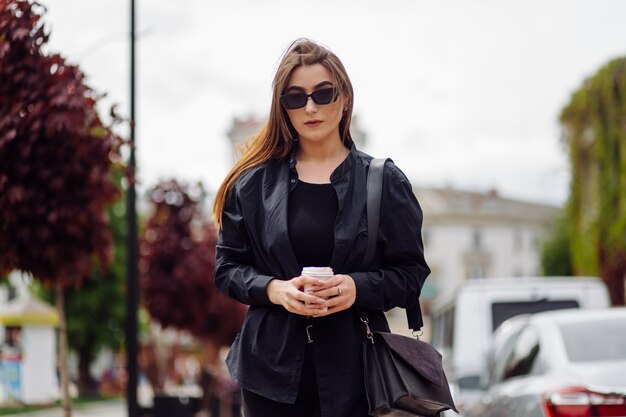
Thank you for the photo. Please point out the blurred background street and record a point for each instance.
(508, 118)
(109, 409)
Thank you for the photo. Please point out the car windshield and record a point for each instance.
(503, 311)
(595, 340)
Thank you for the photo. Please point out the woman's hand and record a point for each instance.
(340, 291)
(290, 294)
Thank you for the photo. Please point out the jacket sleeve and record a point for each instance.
(403, 269)
(235, 274)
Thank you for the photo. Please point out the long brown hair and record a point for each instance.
(275, 139)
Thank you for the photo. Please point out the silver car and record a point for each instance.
(566, 363)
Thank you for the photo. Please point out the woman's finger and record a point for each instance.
(303, 280)
(299, 302)
(340, 297)
(328, 292)
(298, 307)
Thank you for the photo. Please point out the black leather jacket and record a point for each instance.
(254, 247)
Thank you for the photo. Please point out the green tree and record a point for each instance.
(594, 124)
(556, 256)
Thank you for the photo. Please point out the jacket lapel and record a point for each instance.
(350, 184)
(275, 199)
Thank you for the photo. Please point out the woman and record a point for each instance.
(296, 199)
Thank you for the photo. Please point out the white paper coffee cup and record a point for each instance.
(321, 272)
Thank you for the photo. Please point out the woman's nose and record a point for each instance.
(310, 105)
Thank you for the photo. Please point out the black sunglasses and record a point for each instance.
(298, 100)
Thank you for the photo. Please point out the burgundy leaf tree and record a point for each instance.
(56, 160)
(177, 261)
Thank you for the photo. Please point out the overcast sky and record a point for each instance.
(458, 93)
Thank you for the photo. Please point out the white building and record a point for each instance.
(474, 235)
(29, 357)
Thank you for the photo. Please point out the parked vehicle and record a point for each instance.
(463, 323)
(501, 341)
(569, 363)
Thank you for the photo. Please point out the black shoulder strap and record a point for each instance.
(374, 196)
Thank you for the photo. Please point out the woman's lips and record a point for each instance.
(313, 123)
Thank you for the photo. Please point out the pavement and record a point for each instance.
(110, 408)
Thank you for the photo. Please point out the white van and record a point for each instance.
(463, 323)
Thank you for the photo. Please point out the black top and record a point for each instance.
(254, 247)
(311, 223)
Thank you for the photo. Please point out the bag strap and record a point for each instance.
(374, 197)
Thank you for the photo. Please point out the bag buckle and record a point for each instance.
(417, 334)
(368, 332)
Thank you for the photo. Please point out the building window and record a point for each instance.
(476, 270)
(536, 243)
(517, 239)
(477, 239)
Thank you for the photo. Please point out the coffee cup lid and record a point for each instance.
(317, 270)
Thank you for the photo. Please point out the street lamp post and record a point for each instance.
(132, 288)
